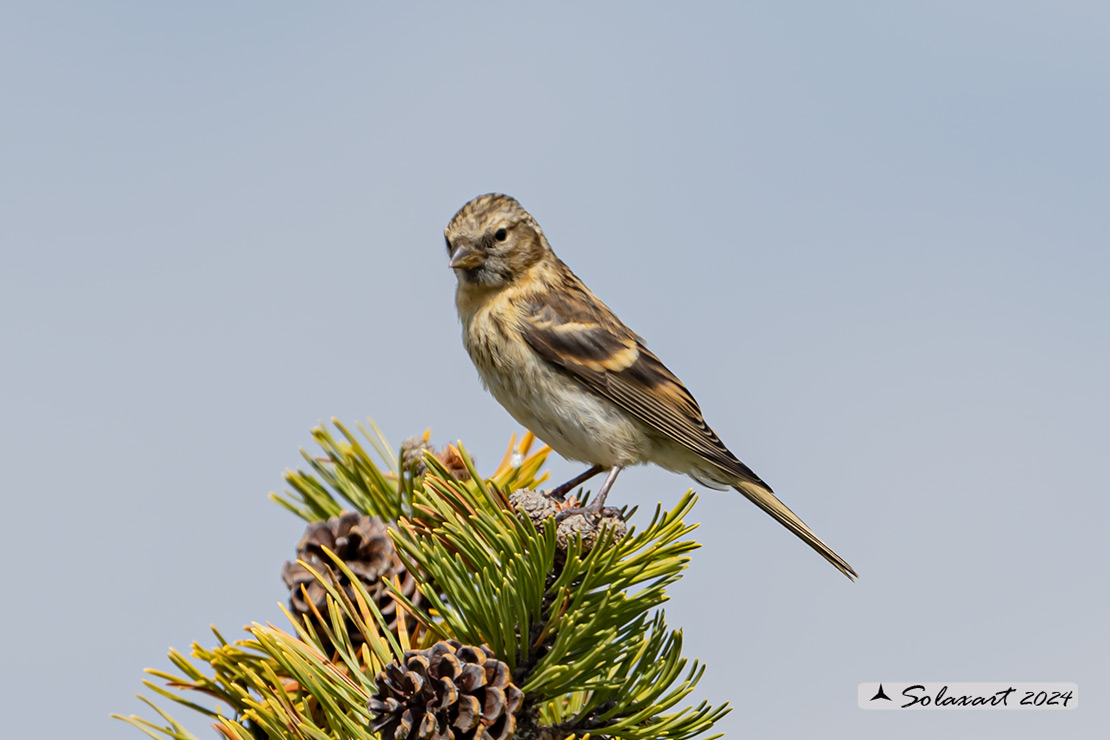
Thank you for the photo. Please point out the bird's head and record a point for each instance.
(492, 241)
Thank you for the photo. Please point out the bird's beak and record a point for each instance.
(465, 257)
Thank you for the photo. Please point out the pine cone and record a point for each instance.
(363, 544)
(412, 458)
(447, 691)
(537, 507)
(412, 454)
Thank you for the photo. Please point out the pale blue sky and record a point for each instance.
(873, 238)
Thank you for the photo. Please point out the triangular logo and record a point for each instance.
(881, 694)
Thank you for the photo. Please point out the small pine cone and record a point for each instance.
(412, 458)
(538, 507)
(412, 454)
(363, 544)
(449, 691)
(590, 532)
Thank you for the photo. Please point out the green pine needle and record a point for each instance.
(581, 630)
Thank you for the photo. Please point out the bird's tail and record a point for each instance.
(762, 497)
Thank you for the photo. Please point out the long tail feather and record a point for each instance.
(766, 500)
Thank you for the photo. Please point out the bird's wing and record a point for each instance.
(580, 335)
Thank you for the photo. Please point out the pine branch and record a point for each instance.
(557, 632)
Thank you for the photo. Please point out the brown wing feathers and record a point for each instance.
(609, 359)
(574, 331)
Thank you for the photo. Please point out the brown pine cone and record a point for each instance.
(449, 691)
(363, 543)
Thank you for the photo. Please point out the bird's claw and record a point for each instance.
(592, 512)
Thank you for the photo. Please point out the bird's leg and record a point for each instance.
(598, 504)
(561, 492)
(596, 508)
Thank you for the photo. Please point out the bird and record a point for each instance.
(566, 367)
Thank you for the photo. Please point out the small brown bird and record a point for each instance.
(562, 363)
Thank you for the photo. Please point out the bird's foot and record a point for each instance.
(594, 512)
(596, 509)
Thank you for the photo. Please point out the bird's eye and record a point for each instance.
(448, 244)
(500, 235)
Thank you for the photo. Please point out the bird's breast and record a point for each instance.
(577, 423)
